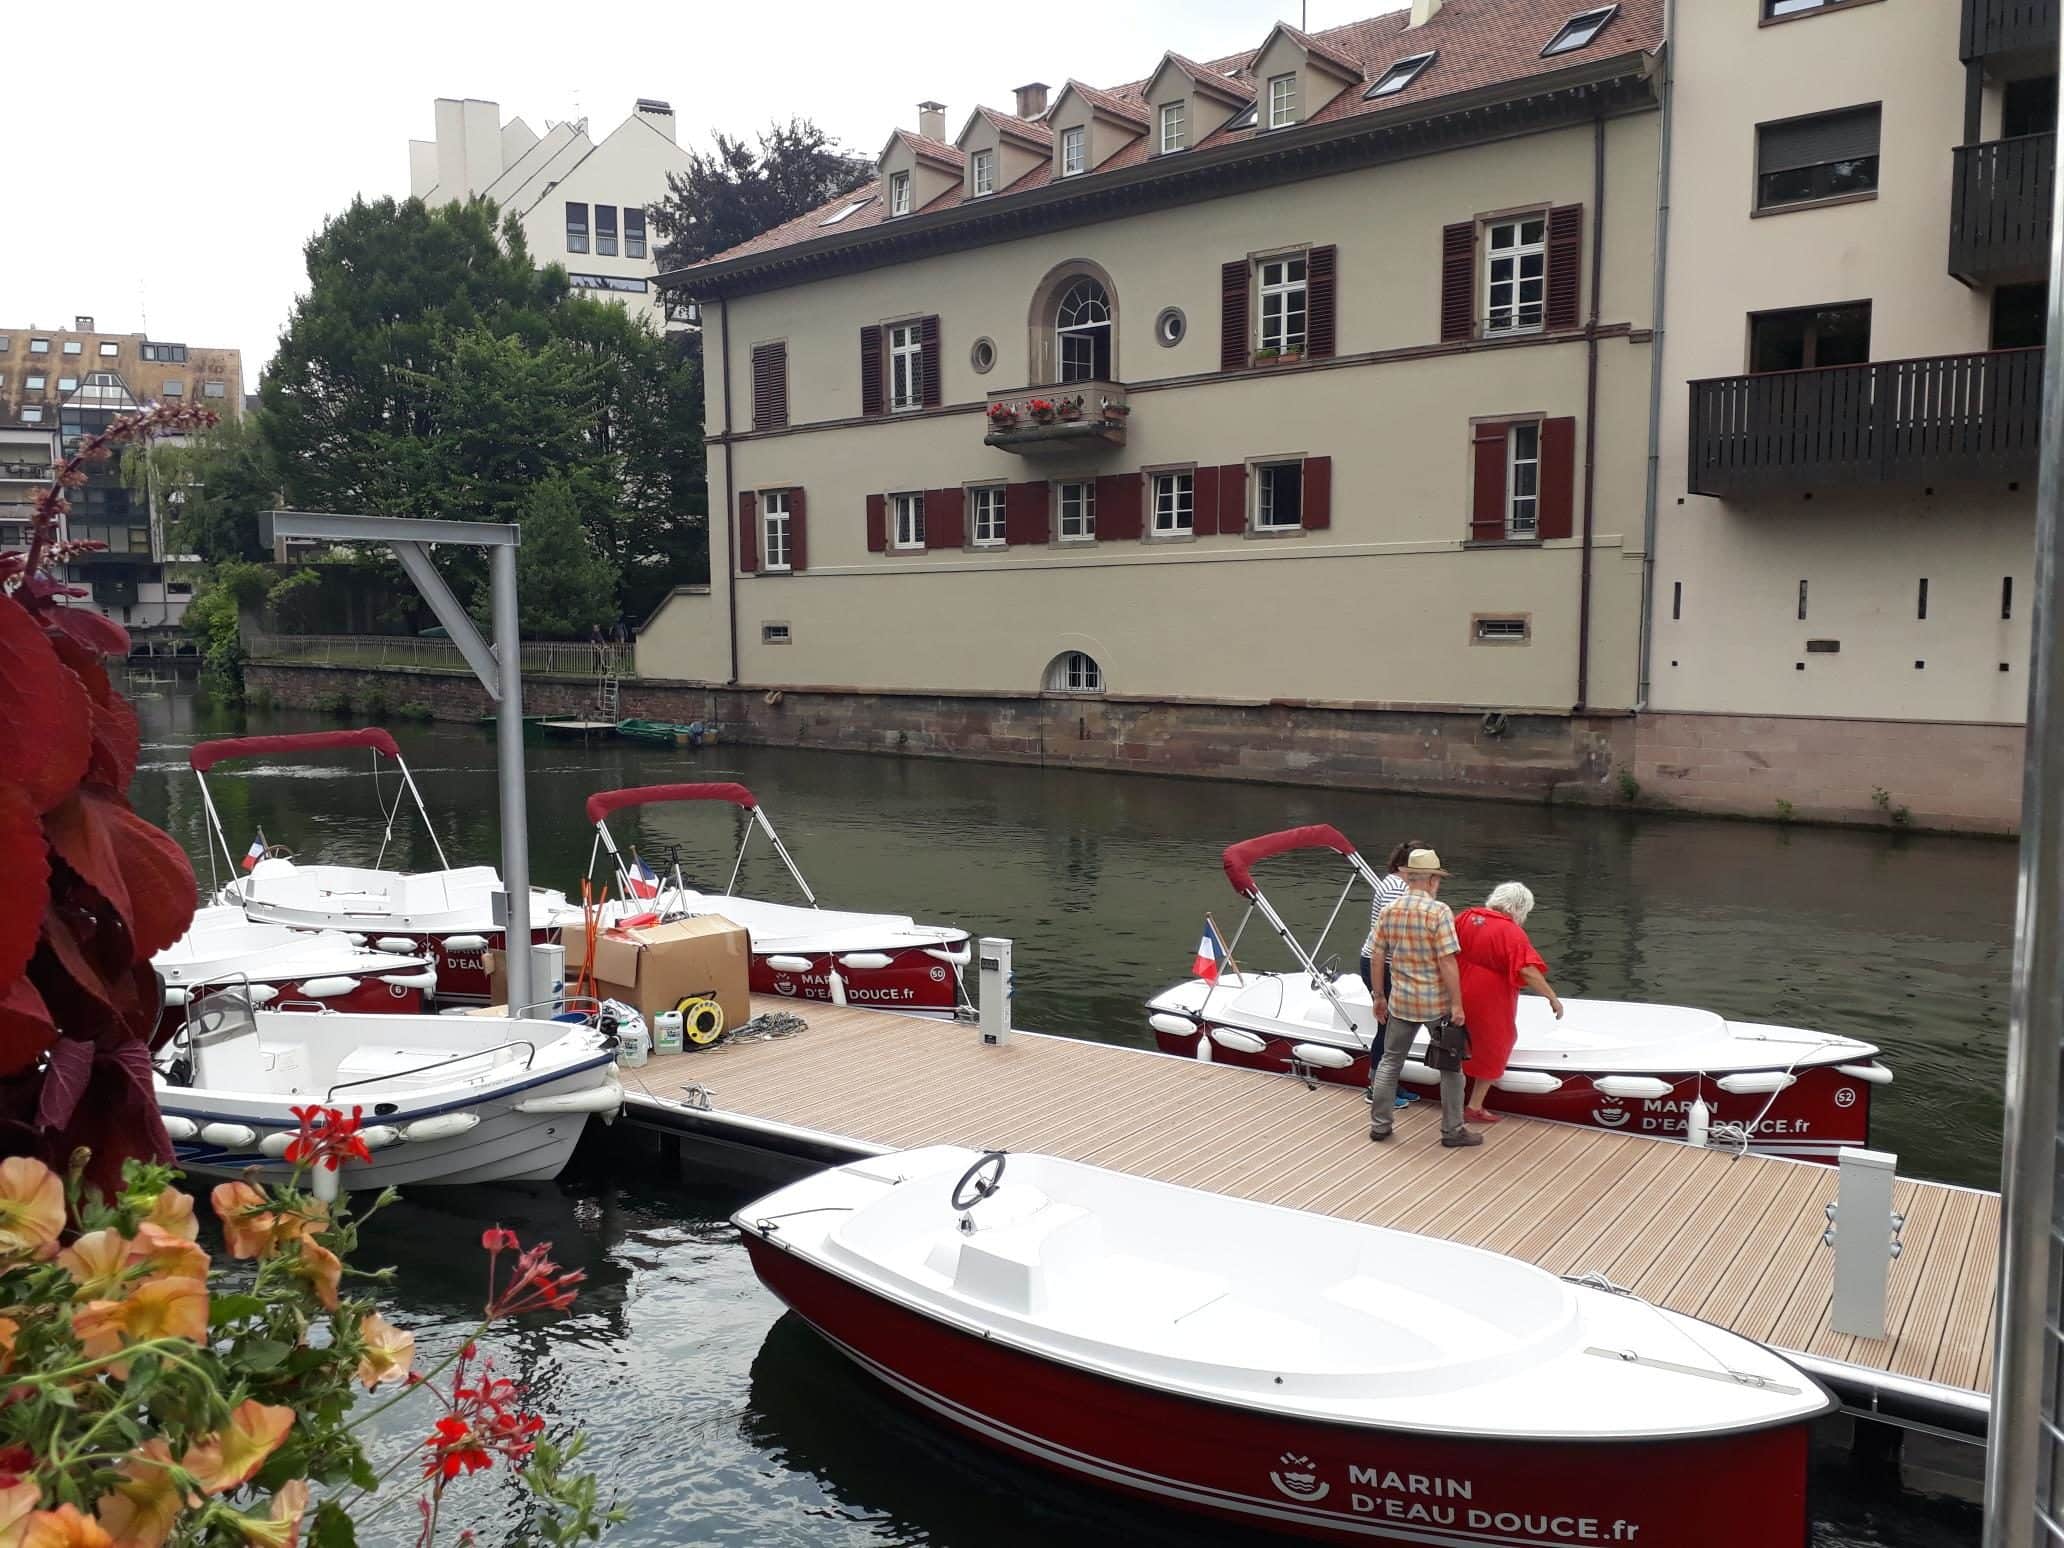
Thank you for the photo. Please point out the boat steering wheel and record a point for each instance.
(979, 1181)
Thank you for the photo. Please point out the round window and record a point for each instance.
(1170, 327)
(983, 356)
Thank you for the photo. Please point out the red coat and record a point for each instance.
(1494, 950)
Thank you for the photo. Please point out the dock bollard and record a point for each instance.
(993, 990)
(1863, 1228)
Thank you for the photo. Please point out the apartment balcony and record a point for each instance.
(1999, 210)
(1942, 418)
(2008, 35)
(24, 472)
(1076, 416)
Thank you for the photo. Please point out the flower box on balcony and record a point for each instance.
(1087, 415)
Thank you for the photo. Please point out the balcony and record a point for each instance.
(19, 472)
(1999, 210)
(1076, 416)
(2008, 35)
(1940, 418)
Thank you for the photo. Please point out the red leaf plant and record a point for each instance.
(94, 890)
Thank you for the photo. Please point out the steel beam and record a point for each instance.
(329, 526)
(415, 559)
(509, 772)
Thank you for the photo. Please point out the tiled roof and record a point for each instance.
(1482, 44)
(1023, 128)
(1339, 58)
(1210, 79)
(930, 150)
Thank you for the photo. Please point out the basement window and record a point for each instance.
(773, 634)
(1578, 31)
(1487, 629)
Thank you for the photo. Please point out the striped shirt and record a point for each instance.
(1388, 891)
(1415, 933)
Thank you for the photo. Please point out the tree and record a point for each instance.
(221, 482)
(564, 586)
(737, 192)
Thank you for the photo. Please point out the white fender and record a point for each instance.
(275, 1145)
(866, 961)
(180, 1128)
(950, 958)
(379, 1136)
(441, 1126)
(465, 943)
(1321, 1056)
(1876, 1074)
(1172, 1024)
(1633, 1088)
(425, 980)
(1203, 1055)
(1755, 1082)
(397, 944)
(605, 1098)
(263, 994)
(1238, 1041)
(788, 964)
(1418, 1073)
(328, 988)
(230, 1136)
(1528, 1082)
(1698, 1123)
(356, 937)
(174, 995)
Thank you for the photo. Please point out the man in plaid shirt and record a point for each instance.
(1415, 936)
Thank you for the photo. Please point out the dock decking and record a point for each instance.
(1733, 1239)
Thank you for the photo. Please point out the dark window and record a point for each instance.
(1921, 599)
(1773, 9)
(1810, 336)
(1082, 332)
(2020, 315)
(2028, 106)
(1399, 76)
(605, 230)
(576, 227)
(1802, 601)
(1578, 31)
(1279, 496)
(1677, 599)
(2006, 596)
(633, 233)
(1822, 157)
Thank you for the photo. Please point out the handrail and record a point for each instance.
(550, 658)
(423, 1069)
(1864, 365)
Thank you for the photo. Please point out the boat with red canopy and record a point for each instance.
(446, 914)
(1669, 1071)
(803, 952)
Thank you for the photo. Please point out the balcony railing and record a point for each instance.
(560, 658)
(1074, 416)
(1999, 209)
(24, 472)
(1940, 418)
(1993, 28)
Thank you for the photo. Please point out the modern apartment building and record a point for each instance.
(60, 385)
(1306, 383)
(581, 201)
(1858, 238)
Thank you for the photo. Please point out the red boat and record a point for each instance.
(1669, 1071)
(285, 969)
(802, 953)
(1287, 1370)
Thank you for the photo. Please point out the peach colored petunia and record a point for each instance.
(322, 1269)
(9, 1329)
(32, 1208)
(17, 1503)
(229, 1458)
(174, 1211)
(65, 1527)
(389, 1352)
(246, 1221)
(96, 1262)
(141, 1510)
(170, 1255)
(281, 1526)
(159, 1308)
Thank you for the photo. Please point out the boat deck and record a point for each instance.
(1733, 1239)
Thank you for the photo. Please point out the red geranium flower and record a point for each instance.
(454, 1449)
(535, 1281)
(327, 1137)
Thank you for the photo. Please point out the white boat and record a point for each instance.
(447, 914)
(1286, 1369)
(293, 969)
(445, 1099)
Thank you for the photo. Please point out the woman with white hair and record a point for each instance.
(1496, 960)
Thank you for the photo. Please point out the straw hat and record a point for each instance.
(1423, 862)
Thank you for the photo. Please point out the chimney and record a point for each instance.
(931, 120)
(658, 114)
(1032, 100)
(82, 325)
(1422, 12)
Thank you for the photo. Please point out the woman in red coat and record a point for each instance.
(1496, 960)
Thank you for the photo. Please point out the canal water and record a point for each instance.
(715, 1419)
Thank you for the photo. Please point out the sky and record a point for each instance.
(198, 147)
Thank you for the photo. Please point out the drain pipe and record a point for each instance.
(1645, 645)
(723, 513)
(1591, 411)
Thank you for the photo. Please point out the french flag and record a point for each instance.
(255, 853)
(643, 882)
(1210, 955)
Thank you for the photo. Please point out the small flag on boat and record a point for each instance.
(643, 883)
(1211, 954)
(256, 852)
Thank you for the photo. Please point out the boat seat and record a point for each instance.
(1013, 1267)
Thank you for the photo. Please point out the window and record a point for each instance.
(1283, 303)
(1282, 101)
(1676, 599)
(906, 366)
(68, 384)
(1247, 119)
(74, 347)
(1082, 332)
(2006, 596)
(1921, 601)
(576, 228)
(1073, 151)
(2028, 106)
(1578, 31)
(32, 413)
(845, 213)
(774, 530)
(982, 172)
(1398, 76)
(1498, 631)
(633, 233)
(624, 284)
(1516, 274)
(1073, 672)
(1170, 327)
(1826, 156)
(1774, 10)
(1078, 512)
(214, 390)
(1523, 480)
(774, 634)
(170, 354)
(605, 230)
(1174, 127)
(174, 387)
(988, 504)
(908, 510)
(982, 356)
(1174, 494)
(1810, 336)
(39, 346)
(33, 383)
(110, 347)
(899, 193)
(1278, 496)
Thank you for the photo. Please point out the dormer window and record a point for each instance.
(899, 193)
(1074, 150)
(1282, 101)
(1578, 31)
(982, 173)
(1175, 129)
(1398, 77)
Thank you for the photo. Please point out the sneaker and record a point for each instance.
(1479, 1115)
(1407, 1098)
(1379, 1134)
(1460, 1141)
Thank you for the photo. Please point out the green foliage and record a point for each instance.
(1784, 810)
(726, 197)
(564, 586)
(374, 705)
(224, 478)
(415, 709)
(1628, 786)
(337, 703)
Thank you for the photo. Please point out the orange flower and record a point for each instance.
(64, 1527)
(389, 1351)
(229, 1458)
(170, 1255)
(159, 1308)
(32, 1208)
(96, 1262)
(175, 1212)
(143, 1508)
(254, 1227)
(8, 1329)
(281, 1528)
(321, 1268)
(17, 1503)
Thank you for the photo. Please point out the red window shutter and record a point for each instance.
(945, 518)
(1565, 265)
(1025, 514)
(877, 523)
(1558, 477)
(1118, 508)
(928, 340)
(748, 532)
(1318, 493)
(769, 386)
(1320, 303)
(1232, 316)
(1487, 484)
(1232, 499)
(1458, 281)
(870, 370)
(1204, 502)
(798, 531)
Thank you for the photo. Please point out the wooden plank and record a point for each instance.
(1921, 1335)
(1790, 1232)
(1967, 1341)
(1701, 1263)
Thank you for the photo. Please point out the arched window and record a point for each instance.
(1082, 332)
(1074, 672)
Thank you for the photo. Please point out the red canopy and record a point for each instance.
(1241, 857)
(206, 755)
(603, 802)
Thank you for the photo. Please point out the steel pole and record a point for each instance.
(509, 772)
(2019, 1463)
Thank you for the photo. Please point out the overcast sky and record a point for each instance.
(186, 152)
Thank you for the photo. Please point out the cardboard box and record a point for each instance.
(656, 967)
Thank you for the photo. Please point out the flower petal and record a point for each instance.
(32, 1208)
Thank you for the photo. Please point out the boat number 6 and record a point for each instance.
(979, 1181)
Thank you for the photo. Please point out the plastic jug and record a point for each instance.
(667, 1032)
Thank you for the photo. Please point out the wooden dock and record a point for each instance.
(1730, 1238)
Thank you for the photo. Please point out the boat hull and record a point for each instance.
(462, 977)
(374, 996)
(914, 980)
(1331, 1482)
